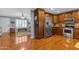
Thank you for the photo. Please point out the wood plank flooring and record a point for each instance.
(56, 42)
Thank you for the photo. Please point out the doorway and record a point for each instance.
(22, 27)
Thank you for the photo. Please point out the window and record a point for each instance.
(21, 23)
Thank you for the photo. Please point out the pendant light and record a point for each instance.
(22, 16)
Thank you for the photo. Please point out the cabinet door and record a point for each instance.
(57, 31)
(61, 18)
(76, 33)
(76, 16)
(68, 15)
(55, 19)
(61, 31)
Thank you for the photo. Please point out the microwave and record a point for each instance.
(69, 20)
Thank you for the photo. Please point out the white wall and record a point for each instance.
(32, 24)
(5, 24)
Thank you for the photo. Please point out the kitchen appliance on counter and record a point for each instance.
(68, 32)
(48, 27)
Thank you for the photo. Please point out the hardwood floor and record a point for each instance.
(56, 42)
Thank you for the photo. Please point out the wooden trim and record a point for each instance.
(39, 9)
(49, 13)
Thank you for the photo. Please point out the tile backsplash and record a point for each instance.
(76, 25)
(59, 25)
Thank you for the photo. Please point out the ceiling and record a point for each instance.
(59, 10)
(17, 12)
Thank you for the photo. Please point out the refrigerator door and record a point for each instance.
(48, 27)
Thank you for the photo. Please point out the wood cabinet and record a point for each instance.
(76, 16)
(57, 31)
(39, 23)
(68, 15)
(55, 19)
(60, 31)
(61, 18)
(76, 33)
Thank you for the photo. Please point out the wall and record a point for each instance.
(5, 20)
(32, 25)
(5, 24)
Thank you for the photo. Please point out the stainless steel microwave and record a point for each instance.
(69, 20)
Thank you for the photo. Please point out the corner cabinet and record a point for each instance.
(55, 19)
(61, 18)
(39, 23)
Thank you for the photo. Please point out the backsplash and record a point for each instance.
(76, 25)
(59, 25)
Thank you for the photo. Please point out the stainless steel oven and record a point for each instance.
(68, 32)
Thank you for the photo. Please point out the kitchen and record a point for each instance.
(61, 22)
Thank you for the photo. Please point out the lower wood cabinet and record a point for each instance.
(76, 33)
(57, 31)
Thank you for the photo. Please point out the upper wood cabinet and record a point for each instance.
(76, 16)
(68, 15)
(55, 19)
(61, 18)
